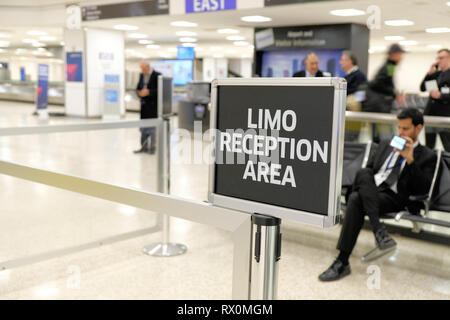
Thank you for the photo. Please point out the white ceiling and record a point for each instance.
(424, 14)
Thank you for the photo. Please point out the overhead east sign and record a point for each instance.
(193, 6)
(278, 147)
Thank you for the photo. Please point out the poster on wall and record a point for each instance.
(74, 66)
(42, 87)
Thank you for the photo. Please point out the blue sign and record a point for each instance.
(185, 52)
(193, 6)
(112, 96)
(74, 66)
(42, 86)
(23, 75)
(111, 78)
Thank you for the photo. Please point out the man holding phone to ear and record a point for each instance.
(392, 174)
(437, 82)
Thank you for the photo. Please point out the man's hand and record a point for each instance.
(435, 94)
(433, 69)
(144, 93)
(408, 150)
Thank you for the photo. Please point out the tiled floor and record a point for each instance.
(36, 218)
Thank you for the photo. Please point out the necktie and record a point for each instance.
(395, 173)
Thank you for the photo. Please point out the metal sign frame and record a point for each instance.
(160, 101)
(336, 154)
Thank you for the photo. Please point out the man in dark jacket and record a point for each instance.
(312, 67)
(147, 90)
(355, 78)
(439, 102)
(381, 92)
(385, 185)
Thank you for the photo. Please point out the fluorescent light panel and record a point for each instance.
(228, 31)
(438, 30)
(186, 33)
(347, 12)
(394, 38)
(125, 27)
(398, 23)
(183, 24)
(256, 19)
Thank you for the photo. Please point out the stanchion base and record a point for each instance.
(164, 249)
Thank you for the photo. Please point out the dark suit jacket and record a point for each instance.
(302, 73)
(415, 178)
(149, 104)
(354, 80)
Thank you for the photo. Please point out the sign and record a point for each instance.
(193, 6)
(314, 37)
(23, 75)
(122, 10)
(42, 86)
(74, 66)
(278, 147)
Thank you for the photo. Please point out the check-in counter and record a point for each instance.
(26, 91)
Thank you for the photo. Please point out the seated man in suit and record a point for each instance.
(385, 185)
(312, 67)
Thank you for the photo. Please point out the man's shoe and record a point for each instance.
(335, 272)
(383, 240)
(141, 150)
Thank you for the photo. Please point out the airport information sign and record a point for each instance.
(123, 10)
(278, 147)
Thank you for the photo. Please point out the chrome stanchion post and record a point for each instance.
(266, 252)
(164, 248)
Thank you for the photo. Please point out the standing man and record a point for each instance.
(385, 185)
(147, 90)
(355, 78)
(439, 101)
(312, 67)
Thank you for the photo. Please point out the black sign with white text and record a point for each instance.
(122, 10)
(273, 145)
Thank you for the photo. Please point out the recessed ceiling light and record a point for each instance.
(62, 43)
(256, 19)
(29, 40)
(137, 36)
(4, 43)
(434, 46)
(4, 35)
(218, 55)
(36, 33)
(47, 38)
(231, 51)
(215, 48)
(394, 38)
(38, 44)
(347, 12)
(153, 46)
(241, 43)
(235, 38)
(437, 30)
(186, 33)
(398, 23)
(145, 41)
(228, 31)
(183, 24)
(377, 48)
(188, 44)
(448, 3)
(186, 39)
(408, 43)
(125, 27)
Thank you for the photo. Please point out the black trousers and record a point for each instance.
(366, 199)
(430, 138)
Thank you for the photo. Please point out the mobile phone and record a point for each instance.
(398, 142)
